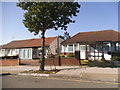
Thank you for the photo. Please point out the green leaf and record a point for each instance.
(41, 16)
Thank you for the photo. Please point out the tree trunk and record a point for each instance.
(43, 51)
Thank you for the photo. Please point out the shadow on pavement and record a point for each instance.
(4, 74)
(73, 68)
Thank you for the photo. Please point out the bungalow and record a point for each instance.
(93, 45)
(31, 48)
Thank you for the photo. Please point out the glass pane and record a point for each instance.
(70, 48)
(82, 48)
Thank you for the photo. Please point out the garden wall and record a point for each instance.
(56, 61)
(9, 62)
(70, 61)
(31, 62)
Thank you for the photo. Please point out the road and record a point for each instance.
(14, 81)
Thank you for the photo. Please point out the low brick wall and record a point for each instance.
(62, 61)
(9, 62)
(70, 61)
(29, 62)
(55, 61)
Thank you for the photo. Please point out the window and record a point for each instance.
(23, 53)
(2, 50)
(99, 47)
(17, 51)
(28, 54)
(106, 47)
(118, 47)
(8, 51)
(34, 51)
(70, 48)
(82, 47)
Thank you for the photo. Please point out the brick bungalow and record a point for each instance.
(93, 45)
(30, 48)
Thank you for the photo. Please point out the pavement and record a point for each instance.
(71, 72)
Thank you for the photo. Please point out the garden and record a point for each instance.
(114, 62)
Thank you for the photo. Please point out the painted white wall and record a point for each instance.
(63, 49)
(107, 57)
(53, 45)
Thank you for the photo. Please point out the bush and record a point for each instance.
(70, 55)
(116, 54)
(62, 55)
(115, 58)
(51, 56)
(84, 62)
(100, 64)
(40, 60)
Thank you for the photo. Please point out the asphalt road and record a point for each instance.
(14, 81)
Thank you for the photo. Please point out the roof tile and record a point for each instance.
(28, 43)
(105, 35)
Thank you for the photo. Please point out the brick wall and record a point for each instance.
(29, 62)
(52, 62)
(9, 62)
(63, 61)
(70, 61)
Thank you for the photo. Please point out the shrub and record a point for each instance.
(62, 55)
(86, 61)
(115, 58)
(40, 60)
(100, 64)
(117, 53)
(70, 55)
(51, 56)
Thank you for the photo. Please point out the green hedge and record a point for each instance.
(115, 58)
(101, 64)
(70, 55)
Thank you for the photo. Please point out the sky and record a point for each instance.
(93, 16)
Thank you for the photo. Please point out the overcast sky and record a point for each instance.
(93, 16)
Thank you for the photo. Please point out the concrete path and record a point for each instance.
(18, 69)
(91, 73)
(79, 70)
(88, 73)
(64, 69)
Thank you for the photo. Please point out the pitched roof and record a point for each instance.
(28, 43)
(94, 36)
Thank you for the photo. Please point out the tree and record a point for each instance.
(66, 35)
(42, 16)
